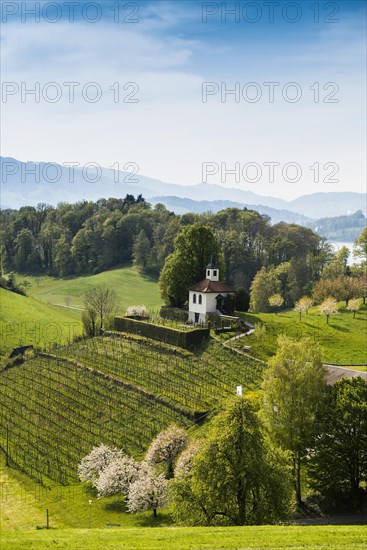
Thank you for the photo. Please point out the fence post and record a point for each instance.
(7, 446)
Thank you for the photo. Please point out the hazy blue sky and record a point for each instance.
(170, 50)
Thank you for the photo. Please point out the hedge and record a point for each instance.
(175, 337)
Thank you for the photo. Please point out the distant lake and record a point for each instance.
(352, 259)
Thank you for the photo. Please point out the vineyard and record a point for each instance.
(117, 390)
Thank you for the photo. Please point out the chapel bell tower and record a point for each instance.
(212, 271)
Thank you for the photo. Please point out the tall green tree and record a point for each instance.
(360, 245)
(186, 265)
(142, 249)
(293, 387)
(63, 260)
(265, 284)
(236, 477)
(338, 265)
(338, 463)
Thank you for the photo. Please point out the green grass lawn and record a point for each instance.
(24, 504)
(344, 339)
(184, 538)
(25, 320)
(131, 286)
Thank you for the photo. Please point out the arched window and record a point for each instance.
(208, 272)
(215, 273)
(194, 299)
(200, 299)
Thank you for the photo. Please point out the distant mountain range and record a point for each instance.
(28, 183)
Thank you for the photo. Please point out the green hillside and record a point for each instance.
(343, 339)
(25, 320)
(132, 288)
(115, 390)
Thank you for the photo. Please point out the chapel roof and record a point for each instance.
(206, 285)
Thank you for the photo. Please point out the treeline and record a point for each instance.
(90, 237)
(336, 279)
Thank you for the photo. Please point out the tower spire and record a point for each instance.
(212, 271)
(213, 262)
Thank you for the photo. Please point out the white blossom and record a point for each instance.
(165, 448)
(149, 492)
(117, 477)
(98, 459)
(184, 462)
(142, 311)
(328, 307)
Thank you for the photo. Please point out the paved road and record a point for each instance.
(334, 373)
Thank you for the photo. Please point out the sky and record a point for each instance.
(264, 96)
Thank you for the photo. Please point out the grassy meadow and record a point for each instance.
(194, 538)
(343, 340)
(24, 503)
(35, 319)
(25, 320)
(74, 524)
(131, 286)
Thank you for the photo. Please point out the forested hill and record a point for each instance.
(340, 228)
(346, 228)
(90, 237)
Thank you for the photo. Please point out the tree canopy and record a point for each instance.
(193, 248)
(293, 388)
(361, 245)
(90, 237)
(338, 463)
(235, 477)
(165, 448)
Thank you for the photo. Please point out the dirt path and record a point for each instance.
(68, 307)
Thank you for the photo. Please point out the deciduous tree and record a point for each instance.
(149, 492)
(354, 305)
(293, 387)
(236, 477)
(264, 285)
(328, 307)
(303, 305)
(117, 476)
(338, 463)
(186, 265)
(103, 302)
(360, 245)
(276, 301)
(96, 461)
(165, 448)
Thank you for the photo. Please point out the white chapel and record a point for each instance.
(208, 296)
